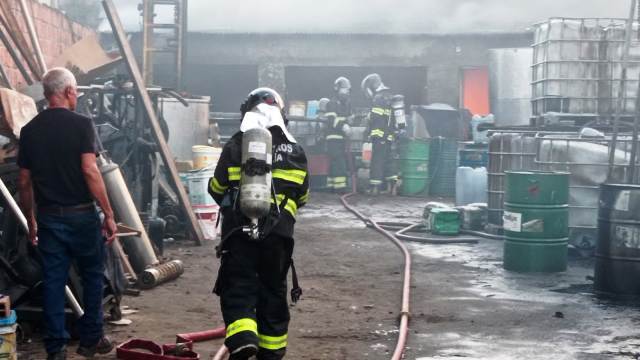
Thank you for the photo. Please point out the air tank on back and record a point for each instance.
(255, 183)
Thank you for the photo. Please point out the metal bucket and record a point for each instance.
(536, 221)
(618, 249)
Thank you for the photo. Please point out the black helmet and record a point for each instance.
(371, 85)
(259, 96)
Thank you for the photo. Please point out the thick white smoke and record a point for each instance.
(379, 16)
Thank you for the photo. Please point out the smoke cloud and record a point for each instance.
(379, 16)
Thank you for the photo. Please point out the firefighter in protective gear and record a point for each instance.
(382, 136)
(337, 114)
(252, 279)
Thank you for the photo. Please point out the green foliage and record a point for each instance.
(85, 12)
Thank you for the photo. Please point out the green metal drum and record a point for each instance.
(414, 167)
(536, 221)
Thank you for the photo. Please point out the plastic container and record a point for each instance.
(444, 221)
(312, 109)
(198, 183)
(480, 135)
(367, 149)
(298, 108)
(8, 347)
(207, 216)
(471, 185)
(205, 156)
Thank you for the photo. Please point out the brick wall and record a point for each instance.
(55, 32)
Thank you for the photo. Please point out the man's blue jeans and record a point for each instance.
(61, 240)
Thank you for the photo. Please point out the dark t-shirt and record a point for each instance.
(51, 146)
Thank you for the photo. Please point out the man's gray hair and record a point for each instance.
(57, 80)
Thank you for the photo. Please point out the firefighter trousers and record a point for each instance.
(252, 284)
(383, 164)
(337, 179)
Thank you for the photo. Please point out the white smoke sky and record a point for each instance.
(378, 16)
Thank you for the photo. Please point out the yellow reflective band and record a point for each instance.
(290, 206)
(241, 325)
(375, 182)
(272, 342)
(377, 133)
(216, 187)
(395, 177)
(329, 114)
(340, 179)
(304, 198)
(295, 176)
(338, 120)
(234, 173)
(381, 111)
(335, 137)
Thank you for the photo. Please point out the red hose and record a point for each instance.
(404, 312)
(201, 336)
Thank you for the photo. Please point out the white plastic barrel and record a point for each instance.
(207, 216)
(205, 156)
(198, 182)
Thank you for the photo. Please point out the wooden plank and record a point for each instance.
(167, 157)
(117, 246)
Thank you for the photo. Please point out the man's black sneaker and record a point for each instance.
(244, 352)
(60, 355)
(104, 346)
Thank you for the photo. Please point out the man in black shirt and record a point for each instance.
(58, 172)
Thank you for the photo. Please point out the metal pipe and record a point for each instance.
(33, 34)
(157, 275)
(14, 56)
(22, 220)
(139, 249)
(623, 79)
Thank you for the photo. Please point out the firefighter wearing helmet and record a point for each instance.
(252, 279)
(337, 113)
(384, 127)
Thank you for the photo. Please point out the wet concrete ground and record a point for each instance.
(472, 308)
(464, 305)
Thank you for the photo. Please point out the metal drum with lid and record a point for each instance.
(536, 221)
(617, 269)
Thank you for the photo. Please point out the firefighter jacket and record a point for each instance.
(337, 115)
(290, 180)
(383, 125)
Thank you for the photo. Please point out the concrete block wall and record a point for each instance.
(55, 32)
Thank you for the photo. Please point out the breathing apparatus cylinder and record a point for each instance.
(397, 104)
(255, 182)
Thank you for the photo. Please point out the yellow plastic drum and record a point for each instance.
(8, 348)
